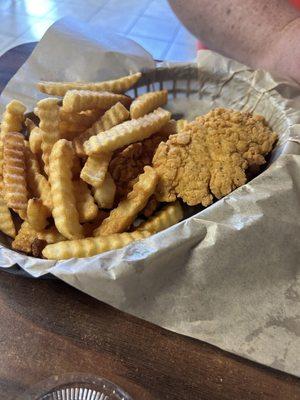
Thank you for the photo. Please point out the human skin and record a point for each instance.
(260, 33)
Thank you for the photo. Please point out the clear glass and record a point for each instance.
(75, 387)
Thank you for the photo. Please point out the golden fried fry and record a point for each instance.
(67, 127)
(81, 100)
(25, 238)
(85, 118)
(35, 140)
(6, 222)
(105, 194)
(122, 217)
(168, 216)
(37, 214)
(127, 132)
(86, 207)
(37, 183)
(48, 113)
(147, 103)
(120, 85)
(112, 117)
(50, 235)
(14, 176)
(13, 118)
(95, 169)
(64, 212)
(91, 246)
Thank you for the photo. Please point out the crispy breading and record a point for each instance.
(128, 163)
(249, 133)
(25, 238)
(210, 156)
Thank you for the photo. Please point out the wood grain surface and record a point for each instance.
(48, 328)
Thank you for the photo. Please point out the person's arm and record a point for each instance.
(259, 33)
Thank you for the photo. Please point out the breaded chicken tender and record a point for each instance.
(128, 163)
(210, 155)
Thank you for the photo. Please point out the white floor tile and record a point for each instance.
(34, 8)
(160, 9)
(155, 28)
(185, 37)
(157, 48)
(113, 21)
(83, 12)
(181, 52)
(16, 24)
(5, 43)
(127, 6)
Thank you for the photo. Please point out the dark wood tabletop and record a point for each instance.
(48, 328)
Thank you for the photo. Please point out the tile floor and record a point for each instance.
(150, 22)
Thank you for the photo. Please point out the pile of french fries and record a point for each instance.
(67, 185)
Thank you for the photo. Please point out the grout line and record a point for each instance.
(139, 15)
(172, 41)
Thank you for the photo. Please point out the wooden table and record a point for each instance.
(50, 328)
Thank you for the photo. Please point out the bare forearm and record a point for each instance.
(248, 30)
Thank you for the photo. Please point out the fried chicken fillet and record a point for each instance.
(210, 155)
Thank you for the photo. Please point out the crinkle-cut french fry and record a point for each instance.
(64, 211)
(91, 246)
(50, 235)
(105, 194)
(147, 103)
(76, 168)
(81, 100)
(14, 175)
(35, 140)
(66, 127)
(128, 132)
(48, 113)
(112, 117)
(180, 124)
(120, 85)
(168, 216)
(13, 118)
(95, 169)
(122, 217)
(86, 207)
(86, 118)
(37, 214)
(6, 222)
(37, 183)
(24, 239)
